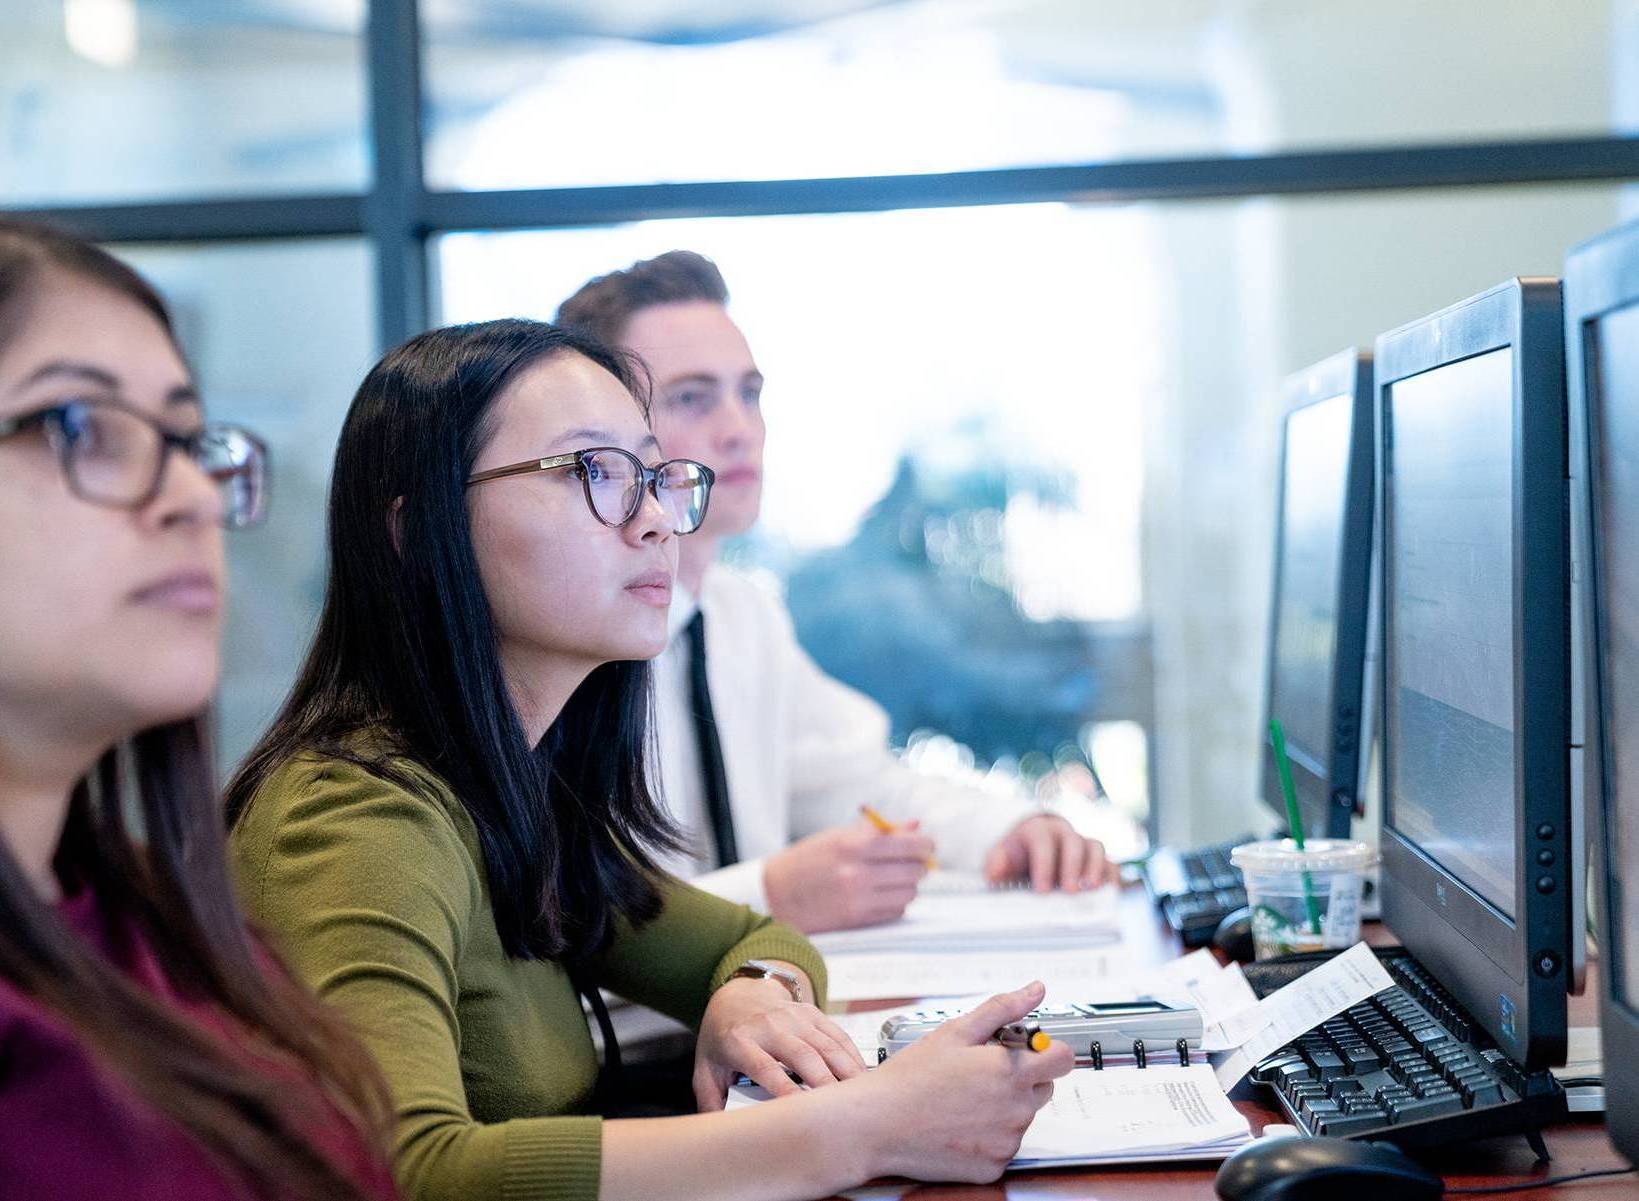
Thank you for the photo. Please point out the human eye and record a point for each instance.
(92, 430)
(691, 400)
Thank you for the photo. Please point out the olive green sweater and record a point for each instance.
(377, 897)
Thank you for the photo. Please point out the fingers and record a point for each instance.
(802, 1058)
(710, 1088)
(1100, 869)
(1041, 1066)
(1001, 864)
(824, 1028)
(839, 1052)
(904, 847)
(980, 1024)
(897, 875)
(1072, 859)
(766, 1071)
(1041, 847)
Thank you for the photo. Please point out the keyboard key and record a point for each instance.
(1362, 1059)
(1484, 1094)
(1327, 1064)
(1421, 1108)
(1345, 1125)
(1291, 1073)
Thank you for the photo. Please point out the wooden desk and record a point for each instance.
(1577, 1145)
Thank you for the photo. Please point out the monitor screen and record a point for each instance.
(1615, 359)
(1315, 470)
(1449, 696)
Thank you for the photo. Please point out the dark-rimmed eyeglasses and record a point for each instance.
(115, 455)
(616, 480)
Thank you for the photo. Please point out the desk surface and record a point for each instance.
(1577, 1145)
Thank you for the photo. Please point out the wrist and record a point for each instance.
(850, 1125)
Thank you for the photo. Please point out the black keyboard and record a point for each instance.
(1195, 889)
(1409, 1067)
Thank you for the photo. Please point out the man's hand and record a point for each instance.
(846, 877)
(1047, 851)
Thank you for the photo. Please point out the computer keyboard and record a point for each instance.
(1409, 1067)
(1195, 889)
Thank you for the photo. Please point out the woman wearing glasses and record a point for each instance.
(450, 829)
(149, 1048)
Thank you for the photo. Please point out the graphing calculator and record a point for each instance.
(1118, 1030)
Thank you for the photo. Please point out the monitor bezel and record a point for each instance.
(1345, 374)
(1510, 973)
(1601, 277)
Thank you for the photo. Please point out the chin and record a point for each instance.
(170, 697)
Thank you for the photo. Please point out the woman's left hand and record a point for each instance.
(754, 1028)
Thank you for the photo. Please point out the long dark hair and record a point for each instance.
(407, 650)
(172, 887)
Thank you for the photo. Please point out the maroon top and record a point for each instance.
(71, 1129)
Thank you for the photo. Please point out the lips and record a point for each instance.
(739, 476)
(652, 587)
(195, 593)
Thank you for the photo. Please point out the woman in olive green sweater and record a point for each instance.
(448, 828)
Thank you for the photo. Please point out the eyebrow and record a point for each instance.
(711, 381)
(598, 437)
(181, 394)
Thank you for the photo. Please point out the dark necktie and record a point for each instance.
(712, 775)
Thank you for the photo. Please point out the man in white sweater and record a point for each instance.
(764, 760)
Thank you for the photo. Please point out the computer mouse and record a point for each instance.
(1333, 1169)
(1234, 935)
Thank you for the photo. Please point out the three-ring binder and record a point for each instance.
(1140, 1055)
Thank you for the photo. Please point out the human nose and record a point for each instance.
(187, 494)
(651, 524)
(738, 424)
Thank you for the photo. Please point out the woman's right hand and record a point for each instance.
(956, 1104)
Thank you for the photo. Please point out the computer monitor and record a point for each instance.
(1602, 369)
(1478, 844)
(1318, 619)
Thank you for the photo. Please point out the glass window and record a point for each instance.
(523, 93)
(966, 388)
(118, 100)
(1046, 426)
(279, 337)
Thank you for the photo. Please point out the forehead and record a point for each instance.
(66, 318)
(562, 393)
(689, 337)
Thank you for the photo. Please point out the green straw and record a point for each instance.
(1294, 819)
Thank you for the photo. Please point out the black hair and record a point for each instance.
(407, 649)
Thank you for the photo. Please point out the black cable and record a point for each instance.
(1535, 1184)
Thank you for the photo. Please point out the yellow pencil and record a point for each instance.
(884, 826)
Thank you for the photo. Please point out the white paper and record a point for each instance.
(1131, 1111)
(1070, 975)
(1305, 1003)
(1225, 1001)
(959, 912)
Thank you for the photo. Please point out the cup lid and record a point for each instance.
(1317, 855)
